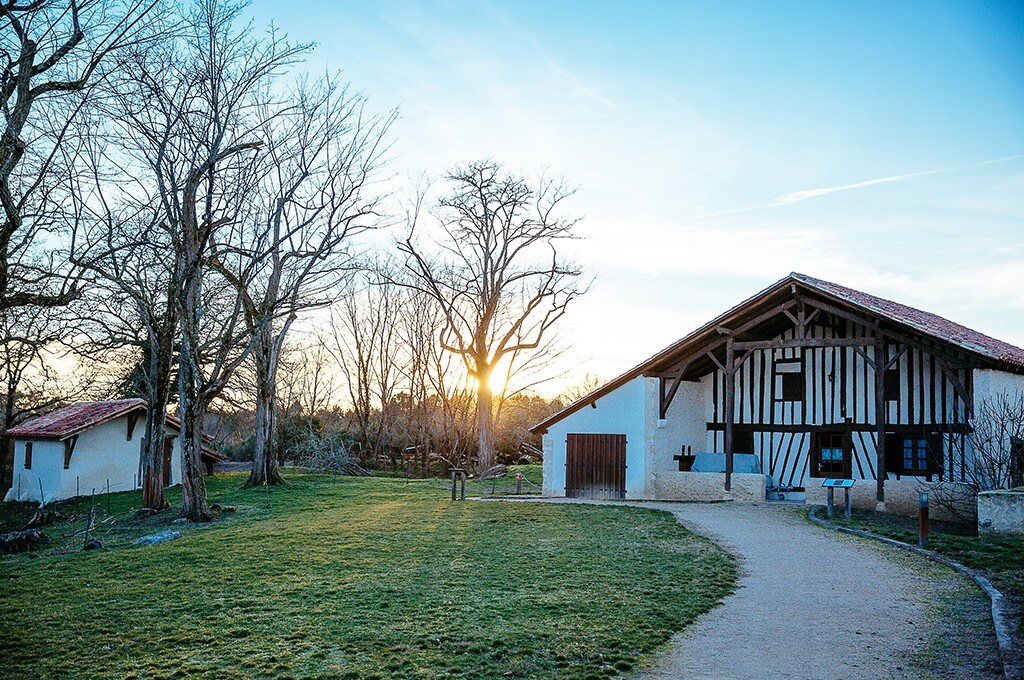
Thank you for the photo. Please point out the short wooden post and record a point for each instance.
(922, 520)
(848, 505)
(519, 483)
(831, 496)
(459, 475)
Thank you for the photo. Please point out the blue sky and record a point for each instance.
(719, 146)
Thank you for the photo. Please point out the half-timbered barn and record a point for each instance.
(804, 381)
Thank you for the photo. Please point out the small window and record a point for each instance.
(891, 387)
(28, 455)
(789, 378)
(830, 458)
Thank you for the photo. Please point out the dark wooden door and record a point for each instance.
(168, 445)
(595, 466)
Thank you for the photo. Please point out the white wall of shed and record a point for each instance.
(618, 412)
(684, 425)
(44, 477)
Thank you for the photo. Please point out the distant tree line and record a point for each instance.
(181, 206)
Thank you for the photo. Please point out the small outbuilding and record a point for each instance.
(85, 446)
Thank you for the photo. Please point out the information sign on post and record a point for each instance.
(845, 485)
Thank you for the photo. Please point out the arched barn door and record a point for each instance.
(595, 466)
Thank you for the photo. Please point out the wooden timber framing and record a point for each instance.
(881, 409)
(809, 310)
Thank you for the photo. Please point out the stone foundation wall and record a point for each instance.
(706, 486)
(1001, 512)
(901, 498)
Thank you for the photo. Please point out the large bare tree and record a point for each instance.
(53, 52)
(320, 152)
(190, 111)
(495, 271)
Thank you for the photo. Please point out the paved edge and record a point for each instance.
(1002, 618)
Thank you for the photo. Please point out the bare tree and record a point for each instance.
(365, 345)
(495, 272)
(190, 111)
(54, 51)
(320, 152)
(993, 453)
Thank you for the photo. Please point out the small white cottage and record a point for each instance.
(80, 448)
(807, 380)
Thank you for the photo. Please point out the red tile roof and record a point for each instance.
(78, 417)
(925, 323)
(68, 421)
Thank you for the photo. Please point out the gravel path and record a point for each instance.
(814, 604)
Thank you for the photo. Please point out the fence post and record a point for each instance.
(922, 520)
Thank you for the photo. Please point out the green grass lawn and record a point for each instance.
(346, 577)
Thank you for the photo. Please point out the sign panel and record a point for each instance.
(838, 483)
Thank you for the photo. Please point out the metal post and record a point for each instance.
(922, 520)
(848, 509)
(830, 494)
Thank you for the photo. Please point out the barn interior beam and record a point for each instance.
(667, 397)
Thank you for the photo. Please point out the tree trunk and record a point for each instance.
(161, 348)
(264, 458)
(485, 420)
(6, 444)
(191, 402)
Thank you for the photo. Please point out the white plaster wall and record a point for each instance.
(990, 384)
(47, 465)
(619, 412)
(684, 426)
(104, 453)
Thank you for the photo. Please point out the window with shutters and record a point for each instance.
(914, 455)
(831, 455)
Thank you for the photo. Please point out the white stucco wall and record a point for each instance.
(684, 425)
(102, 453)
(47, 466)
(619, 412)
(990, 384)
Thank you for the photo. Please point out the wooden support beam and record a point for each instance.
(804, 342)
(880, 417)
(730, 400)
(667, 397)
(761, 318)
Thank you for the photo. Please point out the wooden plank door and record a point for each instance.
(595, 466)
